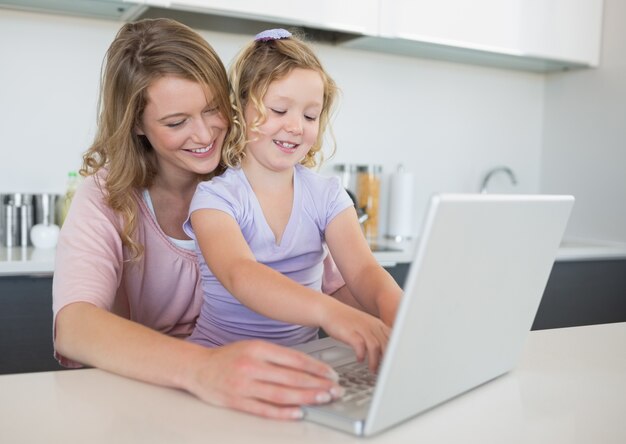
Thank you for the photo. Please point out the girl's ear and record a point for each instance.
(139, 131)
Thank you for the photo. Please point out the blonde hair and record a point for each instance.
(255, 68)
(142, 52)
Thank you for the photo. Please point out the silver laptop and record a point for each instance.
(471, 294)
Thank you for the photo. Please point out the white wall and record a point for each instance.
(447, 123)
(585, 136)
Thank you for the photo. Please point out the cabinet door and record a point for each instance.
(491, 25)
(583, 293)
(358, 16)
(26, 325)
(562, 29)
(567, 30)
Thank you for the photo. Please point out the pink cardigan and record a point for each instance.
(161, 291)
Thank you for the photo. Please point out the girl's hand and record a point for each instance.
(261, 378)
(367, 335)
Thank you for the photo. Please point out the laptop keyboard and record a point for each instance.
(357, 381)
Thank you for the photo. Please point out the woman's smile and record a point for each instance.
(202, 152)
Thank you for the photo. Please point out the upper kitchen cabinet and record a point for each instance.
(350, 16)
(535, 35)
(102, 9)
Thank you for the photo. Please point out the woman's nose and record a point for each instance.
(202, 132)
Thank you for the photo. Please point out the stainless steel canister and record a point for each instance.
(45, 208)
(3, 220)
(17, 219)
(10, 236)
(348, 175)
(26, 223)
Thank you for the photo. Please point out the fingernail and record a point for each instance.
(337, 392)
(323, 397)
(297, 414)
(332, 375)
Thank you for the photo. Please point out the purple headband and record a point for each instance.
(272, 34)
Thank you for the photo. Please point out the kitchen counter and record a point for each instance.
(26, 261)
(33, 261)
(569, 387)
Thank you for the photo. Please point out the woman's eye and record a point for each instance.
(211, 110)
(175, 124)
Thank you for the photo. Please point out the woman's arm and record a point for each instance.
(88, 273)
(251, 376)
(368, 282)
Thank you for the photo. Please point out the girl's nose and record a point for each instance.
(294, 125)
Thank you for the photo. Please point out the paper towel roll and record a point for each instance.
(401, 222)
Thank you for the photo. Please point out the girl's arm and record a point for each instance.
(334, 285)
(369, 283)
(255, 377)
(274, 295)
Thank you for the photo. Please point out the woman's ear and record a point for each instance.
(139, 131)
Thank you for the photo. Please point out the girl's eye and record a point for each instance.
(278, 111)
(311, 118)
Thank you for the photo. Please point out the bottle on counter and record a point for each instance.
(368, 197)
(66, 200)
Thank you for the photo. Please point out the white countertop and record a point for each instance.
(33, 261)
(569, 387)
(26, 261)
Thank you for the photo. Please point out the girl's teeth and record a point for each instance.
(285, 144)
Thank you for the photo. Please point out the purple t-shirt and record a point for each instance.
(317, 200)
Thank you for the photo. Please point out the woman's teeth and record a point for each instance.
(202, 150)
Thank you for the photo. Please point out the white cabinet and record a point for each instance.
(562, 29)
(561, 32)
(478, 24)
(354, 16)
(536, 35)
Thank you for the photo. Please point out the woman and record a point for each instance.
(126, 285)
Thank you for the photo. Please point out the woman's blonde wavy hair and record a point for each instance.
(142, 52)
(255, 68)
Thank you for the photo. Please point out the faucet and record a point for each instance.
(491, 172)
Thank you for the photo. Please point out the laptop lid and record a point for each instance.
(471, 295)
(472, 292)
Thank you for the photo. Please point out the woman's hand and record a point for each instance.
(367, 335)
(261, 378)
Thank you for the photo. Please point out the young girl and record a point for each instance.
(261, 226)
